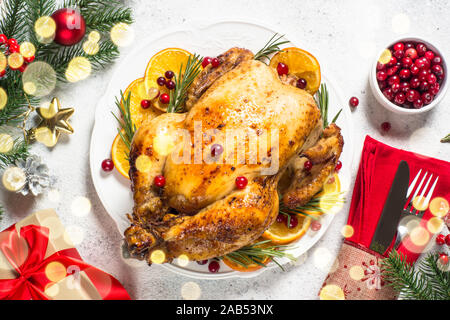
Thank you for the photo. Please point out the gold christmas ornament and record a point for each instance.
(14, 179)
(54, 120)
(15, 60)
(3, 98)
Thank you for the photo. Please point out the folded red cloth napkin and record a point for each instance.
(376, 172)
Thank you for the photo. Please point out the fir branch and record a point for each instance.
(19, 151)
(183, 82)
(272, 46)
(446, 138)
(36, 9)
(11, 22)
(258, 252)
(126, 127)
(437, 278)
(402, 277)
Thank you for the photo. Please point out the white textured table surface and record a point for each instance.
(345, 34)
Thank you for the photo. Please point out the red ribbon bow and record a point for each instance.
(31, 266)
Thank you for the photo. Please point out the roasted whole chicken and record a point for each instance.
(200, 212)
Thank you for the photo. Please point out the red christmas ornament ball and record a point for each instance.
(70, 26)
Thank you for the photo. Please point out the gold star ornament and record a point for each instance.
(54, 120)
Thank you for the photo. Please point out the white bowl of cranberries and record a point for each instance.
(409, 76)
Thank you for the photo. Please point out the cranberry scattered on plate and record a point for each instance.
(413, 75)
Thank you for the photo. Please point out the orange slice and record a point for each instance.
(119, 155)
(332, 187)
(279, 233)
(302, 64)
(139, 93)
(168, 59)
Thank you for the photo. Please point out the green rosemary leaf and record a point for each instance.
(336, 116)
(272, 46)
(446, 138)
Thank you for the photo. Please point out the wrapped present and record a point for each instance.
(38, 261)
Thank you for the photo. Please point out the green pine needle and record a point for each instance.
(446, 138)
(126, 127)
(315, 205)
(183, 82)
(19, 151)
(322, 102)
(272, 46)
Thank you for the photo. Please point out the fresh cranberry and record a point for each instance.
(161, 81)
(29, 59)
(414, 82)
(429, 55)
(424, 86)
(282, 218)
(404, 86)
(437, 70)
(241, 182)
(293, 222)
(426, 63)
(393, 79)
(404, 73)
(382, 84)
(353, 102)
(202, 262)
(443, 258)
(316, 225)
(418, 103)
(392, 62)
(2, 73)
(23, 68)
(170, 85)
(412, 95)
(11, 42)
(301, 83)
(282, 68)
(400, 98)
(447, 239)
(434, 88)
(215, 63)
(145, 104)
(216, 150)
(386, 126)
(169, 74)
(159, 181)
(393, 70)
(399, 46)
(399, 54)
(420, 63)
(436, 60)
(421, 49)
(381, 75)
(308, 165)
(214, 266)
(414, 69)
(381, 66)
(3, 39)
(409, 45)
(164, 98)
(431, 78)
(407, 62)
(395, 87)
(107, 165)
(388, 93)
(14, 48)
(427, 97)
(338, 166)
(411, 52)
(206, 61)
(440, 239)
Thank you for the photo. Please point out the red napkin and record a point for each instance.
(376, 172)
(357, 275)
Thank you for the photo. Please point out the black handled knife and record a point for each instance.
(392, 210)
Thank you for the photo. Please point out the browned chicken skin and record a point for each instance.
(200, 212)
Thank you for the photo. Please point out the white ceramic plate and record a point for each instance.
(114, 190)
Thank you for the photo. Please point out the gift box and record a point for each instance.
(38, 261)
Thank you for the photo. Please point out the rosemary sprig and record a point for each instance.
(257, 252)
(183, 82)
(126, 127)
(446, 138)
(272, 46)
(322, 102)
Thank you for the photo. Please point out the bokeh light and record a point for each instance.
(323, 259)
(191, 291)
(15, 60)
(53, 195)
(420, 203)
(183, 260)
(332, 292)
(14, 179)
(55, 227)
(356, 272)
(435, 225)
(27, 49)
(45, 28)
(45, 136)
(3, 98)
(143, 163)
(122, 34)
(91, 48)
(55, 271)
(163, 142)
(157, 256)
(3, 62)
(79, 68)
(39, 79)
(81, 206)
(94, 36)
(6, 143)
(74, 234)
(52, 289)
(347, 231)
(439, 207)
(419, 236)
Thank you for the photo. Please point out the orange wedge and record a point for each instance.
(168, 59)
(279, 233)
(302, 64)
(119, 155)
(139, 93)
